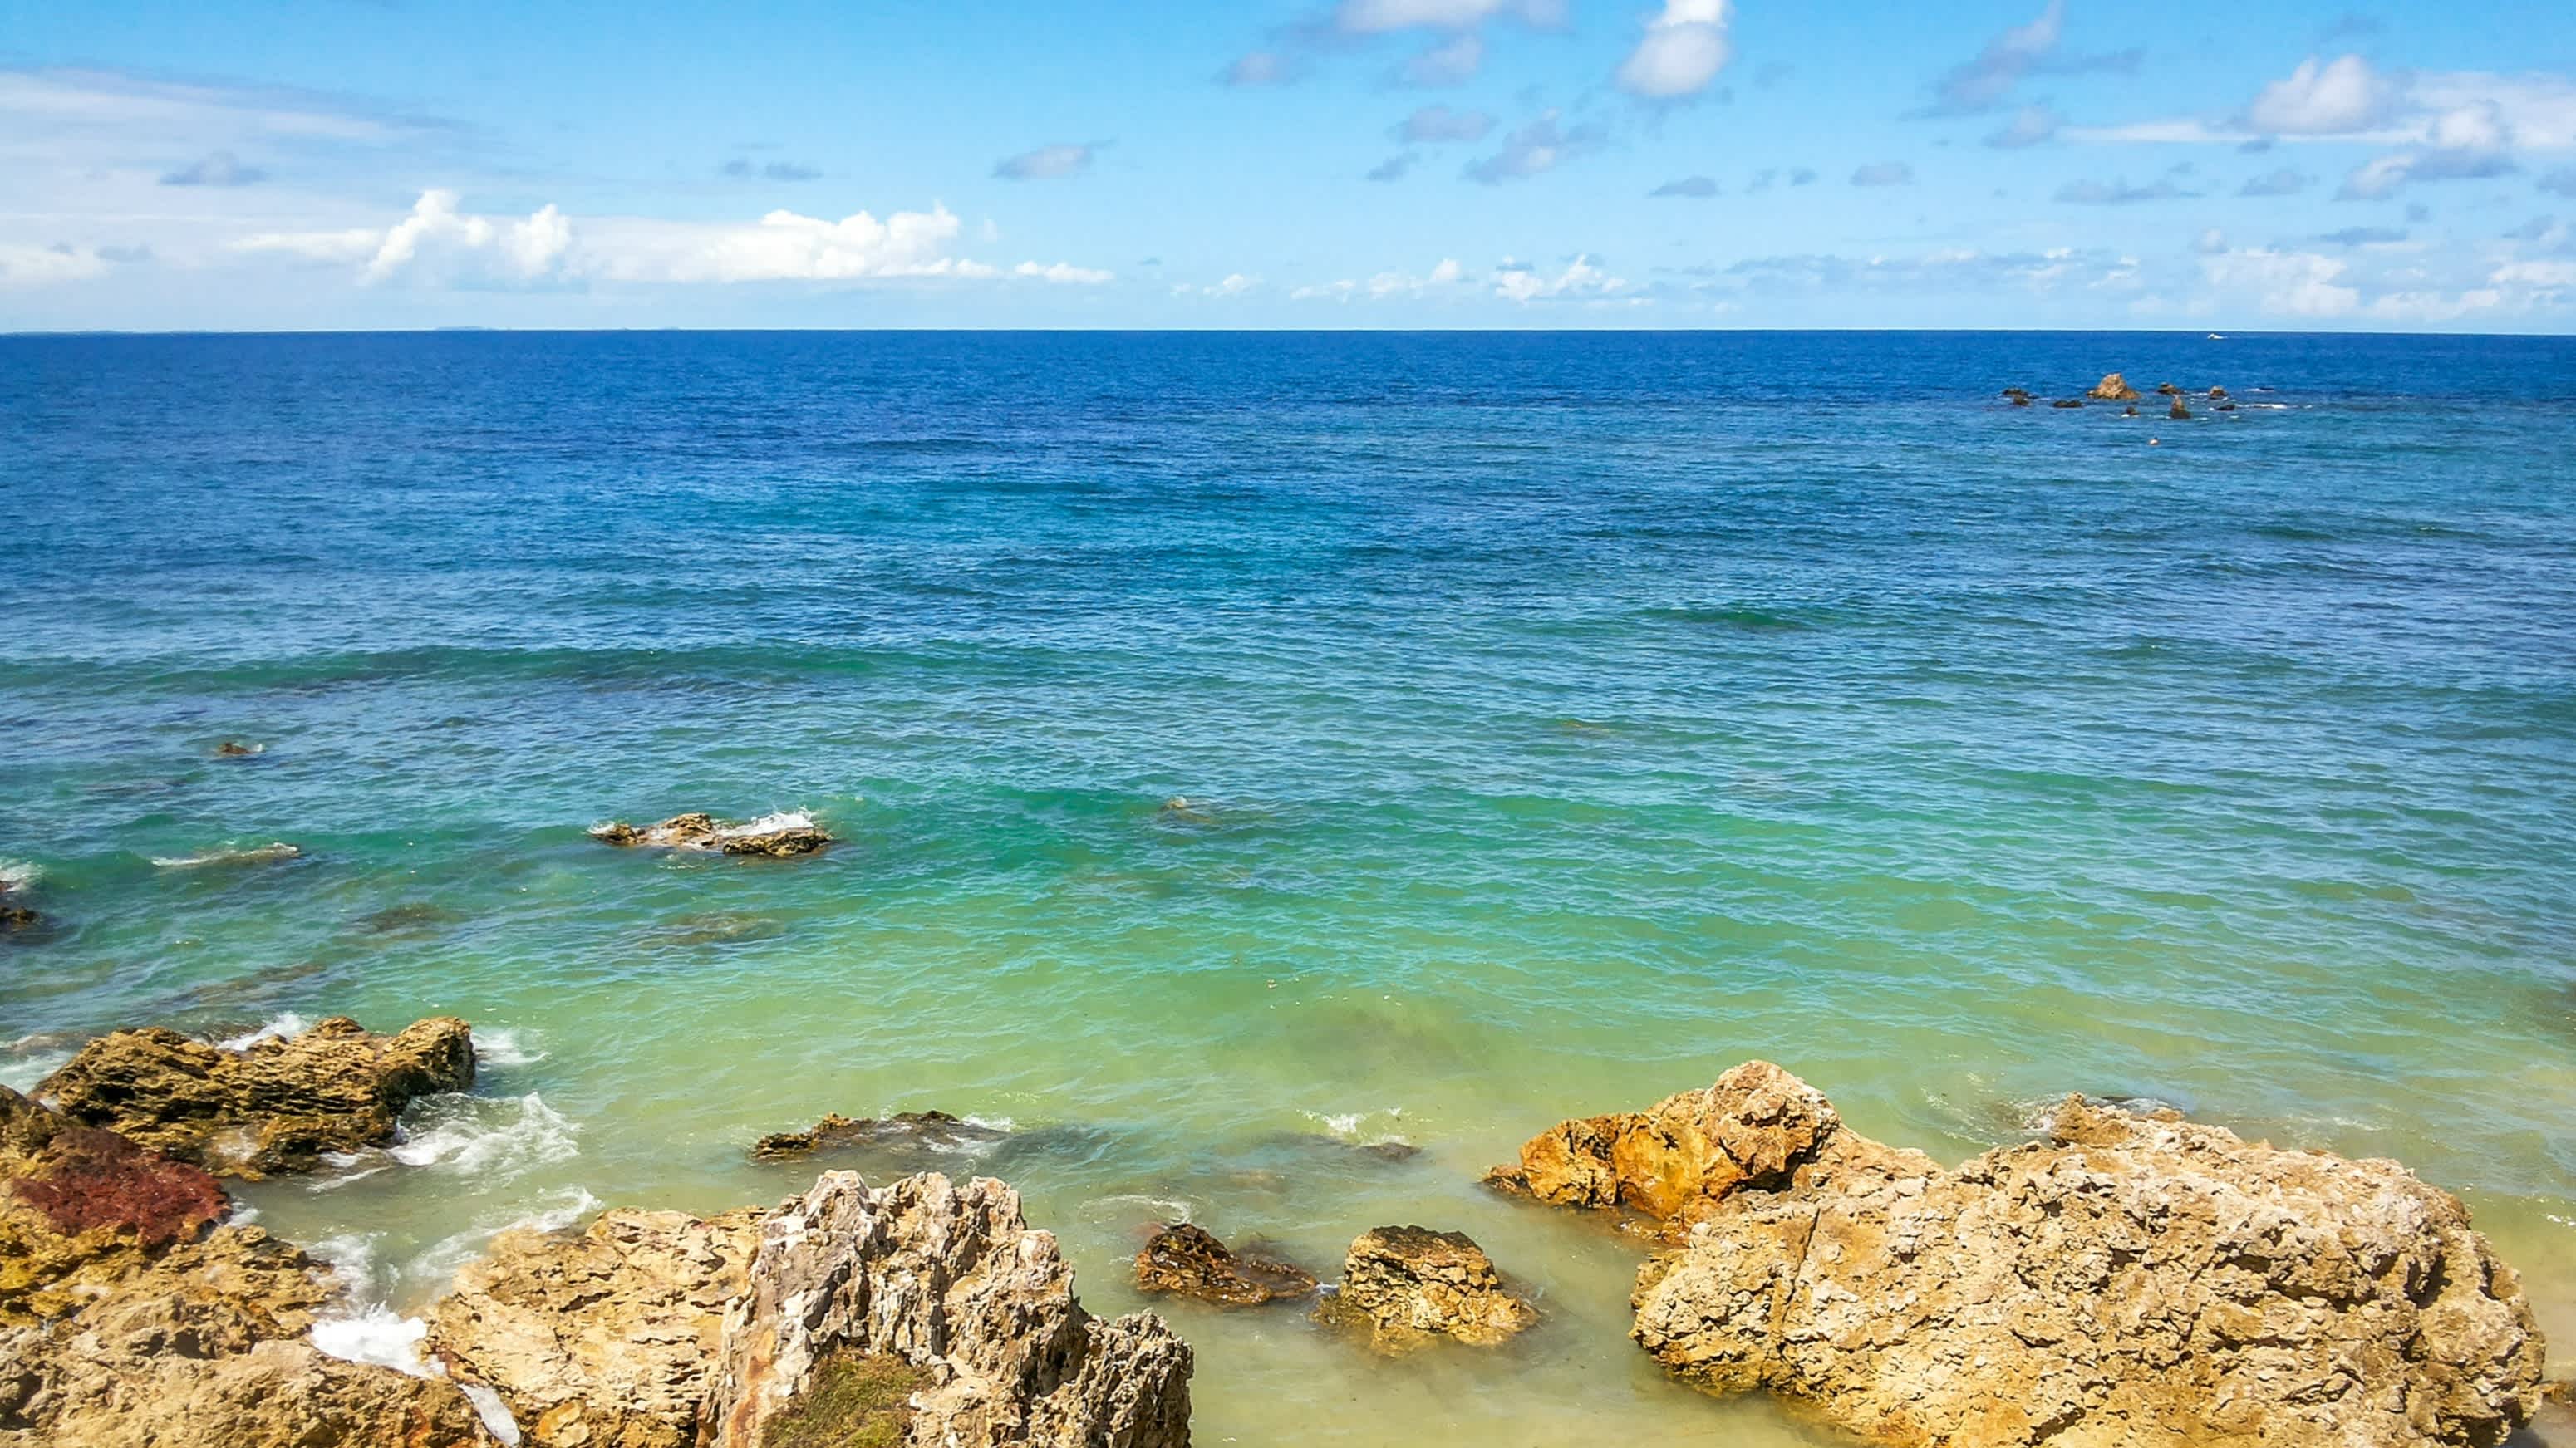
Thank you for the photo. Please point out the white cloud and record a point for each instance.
(1386, 285)
(1234, 285)
(1683, 49)
(1580, 280)
(36, 266)
(2465, 143)
(1374, 17)
(436, 238)
(1048, 163)
(2286, 283)
(2336, 98)
(1063, 273)
(1539, 146)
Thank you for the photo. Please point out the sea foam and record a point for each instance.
(285, 1024)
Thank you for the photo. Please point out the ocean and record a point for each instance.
(1250, 749)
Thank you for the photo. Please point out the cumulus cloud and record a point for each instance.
(1980, 84)
(1433, 125)
(1539, 146)
(1386, 285)
(2334, 98)
(1695, 187)
(2467, 143)
(2286, 283)
(1234, 285)
(1881, 173)
(1947, 269)
(2120, 193)
(216, 168)
(2287, 181)
(2030, 126)
(1048, 163)
(741, 169)
(1580, 280)
(1683, 49)
(1063, 274)
(437, 241)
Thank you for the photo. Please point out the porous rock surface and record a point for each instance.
(1407, 1286)
(274, 1106)
(2113, 388)
(950, 1279)
(1677, 1162)
(2131, 1279)
(1188, 1261)
(909, 1128)
(776, 836)
(599, 1338)
(133, 1316)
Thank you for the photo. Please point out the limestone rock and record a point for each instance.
(600, 1338)
(2113, 388)
(777, 836)
(274, 1106)
(1408, 1285)
(949, 1280)
(1674, 1164)
(904, 1128)
(2131, 1280)
(1189, 1261)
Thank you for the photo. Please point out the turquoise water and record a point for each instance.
(1560, 720)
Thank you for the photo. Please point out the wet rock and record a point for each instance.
(603, 1336)
(928, 1129)
(2131, 1280)
(1189, 1261)
(133, 1315)
(1674, 1164)
(2218, 394)
(2167, 389)
(777, 836)
(2017, 396)
(2113, 388)
(1406, 1286)
(2178, 412)
(2129, 411)
(2068, 402)
(274, 1106)
(17, 917)
(2226, 407)
(949, 1281)
(235, 749)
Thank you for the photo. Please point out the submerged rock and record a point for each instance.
(2218, 394)
(2132, 1280)
(2017, 396)
(1189, 1261)
(1406, 1286)
(17, 917)
(604, 1336)
(2068, 402)
(931, 1129)
(133, 1315)
(949, 1282)
(777, 836)
(274, 1106)
(1674, 1164)
(235, 749)
(2113, 388)
(276, 853)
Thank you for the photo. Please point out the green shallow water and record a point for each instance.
(1560, 721)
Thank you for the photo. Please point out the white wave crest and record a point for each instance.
(770, 824)
(377, 1335)
(440, 1262)
(506, 1046)
(1169, 1209)
(484, 1137)
(285, 1024)
(18, 875)
(1356, 1126)
(21, 1070)
(494, 1413)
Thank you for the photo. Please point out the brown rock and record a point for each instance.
(600, 1338)
(1406, 1286)
(2017, 396)
(14, 918)
(904, 1128)
(1757, 1127)
(776, 836)
(1189, 1261)
(2069, 402)
(2133, 1280)
(235, 749)
(2167, 389)
(2113, 388)
(2178, 412)
(274, 1106)
(2218, 394)
(951, 1281)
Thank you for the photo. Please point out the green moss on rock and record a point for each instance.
(854, 1402)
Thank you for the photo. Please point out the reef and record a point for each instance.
(1407, 1287)
(1188, 1261)
(275, 1105)
(933, 1129)
(777, 836)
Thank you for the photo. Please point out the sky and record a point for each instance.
(363, 164)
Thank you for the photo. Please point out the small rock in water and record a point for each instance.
(2167, 389)
(2113, 388)
(1189, 1261)
(1407, 1286)
(2179, 413)
(905, 1128)
(235, 749)
(2018, 396)
(14, 918)
(2218, 394)
(2068, 402)
(777, 836)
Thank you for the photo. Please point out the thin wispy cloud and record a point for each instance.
(218, 168)
(1048, 163)
(2036, 48)
(1881, 173)
(742, 169)
(1540, 146)
(1435, 125)
(1697, 188)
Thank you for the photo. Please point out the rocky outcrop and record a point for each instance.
(2113, 388)
(1408, 1286)
(273, 1106)
(600, 1338)
(1188, 1261)
(132, 1315)
(2068, 402)
(777, 836)
(2178, 412)
(933, 1129)
(2017, 396)
(2130, 1280)
(1665, 1168)
(950, 1282)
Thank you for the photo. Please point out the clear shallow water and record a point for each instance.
(1562, 719)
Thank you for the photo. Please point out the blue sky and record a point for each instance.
(1341, 163)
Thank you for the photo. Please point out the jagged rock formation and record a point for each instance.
(904, 1128)
(2132, 1280)
(1406, 1286)
(600, 1338)
(1674, 1164)
(2113, 388)
(133, 1316)
(951, 1281)
(777, 836)
(274, 1106)
(1189, 1261)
